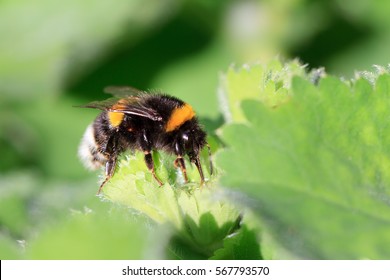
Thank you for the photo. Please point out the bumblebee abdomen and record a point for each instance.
(88, 151)
(179, 116)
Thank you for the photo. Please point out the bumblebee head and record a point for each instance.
(193, 138)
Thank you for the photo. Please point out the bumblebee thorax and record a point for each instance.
(116, 118)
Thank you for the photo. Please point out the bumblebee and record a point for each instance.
(143, 121)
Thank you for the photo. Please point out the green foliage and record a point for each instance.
(305, 153)
(94, 234)
(241, 245)
(8, 249)
(52, 35)
(316, 167)
(198, 218)
(273, 80)
(304, 174)
(55, 55)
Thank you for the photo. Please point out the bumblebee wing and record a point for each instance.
(122, 91)
(136, 109)
(101, 105)
(129, 105)
(130, 102)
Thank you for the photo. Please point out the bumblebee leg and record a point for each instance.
(150, 164)
(179, 162)
(110, 169)
(146, 146)
(196, 161)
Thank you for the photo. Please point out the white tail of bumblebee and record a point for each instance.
(88, 151)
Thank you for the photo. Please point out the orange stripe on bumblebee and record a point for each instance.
(179, 116)
(116, 118)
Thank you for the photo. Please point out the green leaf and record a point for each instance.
(316, 168)
(242, 245)
(199, 219)
(272, 80)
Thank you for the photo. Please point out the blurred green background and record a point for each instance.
(56, 54)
